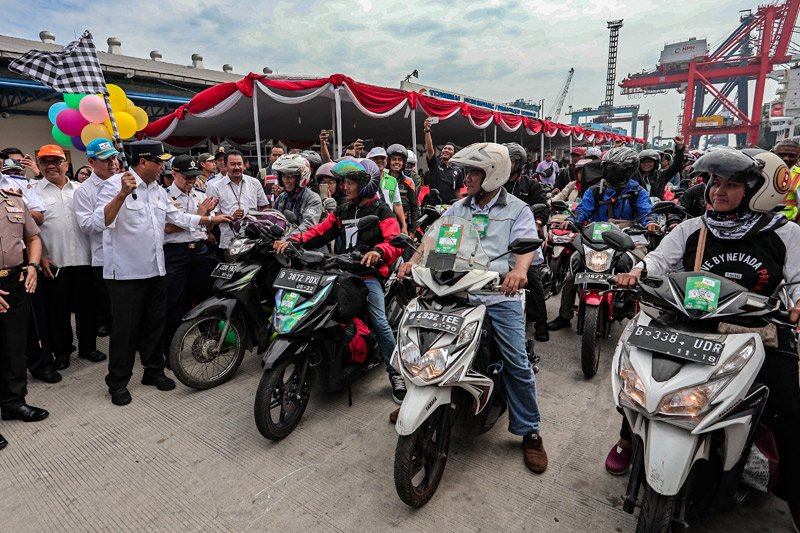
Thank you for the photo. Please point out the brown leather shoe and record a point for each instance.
(393, 416)
(535, 456)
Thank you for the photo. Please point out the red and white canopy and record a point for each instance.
(295, 110)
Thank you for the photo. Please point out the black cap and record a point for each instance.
(186, 165)
(141, 149)
(221, 151)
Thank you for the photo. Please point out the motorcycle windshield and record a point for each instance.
(454, 244)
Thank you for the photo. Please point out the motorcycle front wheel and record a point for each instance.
(281, 397)
(206, 351)
(656, 513)
(591, 340)
(420, 458)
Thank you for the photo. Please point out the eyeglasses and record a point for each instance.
(50, 161)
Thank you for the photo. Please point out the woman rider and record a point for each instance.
(742, 192)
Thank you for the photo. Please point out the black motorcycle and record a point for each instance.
(210, 344)
(317, 316)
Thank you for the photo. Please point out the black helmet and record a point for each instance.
(619, 165)
(397, 149)
(313, 158)
(516, 152)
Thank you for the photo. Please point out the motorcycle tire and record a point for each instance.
(655, 515)
(276, 390)
(419, 454)
(591, 340)
(200, 365)
(559, 269)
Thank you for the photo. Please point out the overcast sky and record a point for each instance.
(497, 49)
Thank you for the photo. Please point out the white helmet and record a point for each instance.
(412, 157)
(492, 158)
(777, 183)
(293, 165)
(593, 151)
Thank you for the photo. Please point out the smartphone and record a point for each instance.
(323, 191)
(434, 120)
(330, 134)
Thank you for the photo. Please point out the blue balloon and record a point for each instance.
(54, 110)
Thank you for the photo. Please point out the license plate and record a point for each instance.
(591, 277)
(433, 320)
(681, 345)
(224, 271)
(296, 280)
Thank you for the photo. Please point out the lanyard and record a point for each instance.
(237, 196)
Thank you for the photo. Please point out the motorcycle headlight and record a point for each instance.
(632, 385)
(467, 334)
(240, 246)
(736, 361)
(691, 401)
(427, 366)
(597, 260)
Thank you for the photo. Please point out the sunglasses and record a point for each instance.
(50, 161)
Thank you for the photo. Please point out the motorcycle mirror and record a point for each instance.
(290, 216)
(663, 207)
(618, 241)
(558, 205)
(400, 241)
(539, 209)
(367, 222)
(276, 231)
(524, 246)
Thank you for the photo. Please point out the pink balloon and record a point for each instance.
(93, 108)
(71, 122)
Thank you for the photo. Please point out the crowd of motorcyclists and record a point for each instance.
(727, 212)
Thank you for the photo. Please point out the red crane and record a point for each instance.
(750, 53)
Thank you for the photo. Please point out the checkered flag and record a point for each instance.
(75, 69)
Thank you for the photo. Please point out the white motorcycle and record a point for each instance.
(689, 392)
(454, 377)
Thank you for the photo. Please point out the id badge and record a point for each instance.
(449, 239)
(481, 222)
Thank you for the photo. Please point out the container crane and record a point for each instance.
(753, 50)
(555, 111)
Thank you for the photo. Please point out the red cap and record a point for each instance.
(51, 150)
(578, 151)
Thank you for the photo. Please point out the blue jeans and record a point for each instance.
(509, 334)
(377, 313)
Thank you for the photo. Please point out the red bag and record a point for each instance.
(359, 344)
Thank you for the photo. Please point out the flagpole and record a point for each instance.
(117, 141)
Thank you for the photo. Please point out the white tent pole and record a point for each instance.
(495, 133)
(255, 122)
(338, 102)
(333, 128)
(570, 143)
(541, 147)
(414, 130)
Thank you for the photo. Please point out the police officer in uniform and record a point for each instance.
(16, 282)
(187, 259)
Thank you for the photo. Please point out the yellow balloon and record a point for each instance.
(129, 105)
(126, 125)
(117, 98)
(140, 115)
(91, 132)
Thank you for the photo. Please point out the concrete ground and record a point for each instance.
(193, 461)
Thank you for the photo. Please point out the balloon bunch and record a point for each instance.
(82, 118)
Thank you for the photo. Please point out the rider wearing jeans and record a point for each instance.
(501, 218)
(617, 196)
(360, 182)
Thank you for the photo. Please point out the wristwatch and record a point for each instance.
(36, 266)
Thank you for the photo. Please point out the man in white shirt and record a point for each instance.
(238, 194)
(187, 258)
(103, 159)
(132, 210)
(66, 259)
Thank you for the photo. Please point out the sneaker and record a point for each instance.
(398, 388)
(161, 382)
(533, 450)
(542, 333)
(558, 323)
(619, 458)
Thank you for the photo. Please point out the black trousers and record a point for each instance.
(139, 308)
(102, 304)
(781, 416)
(13, 335)
(70, 291)
(188, 283)
(534, 300)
